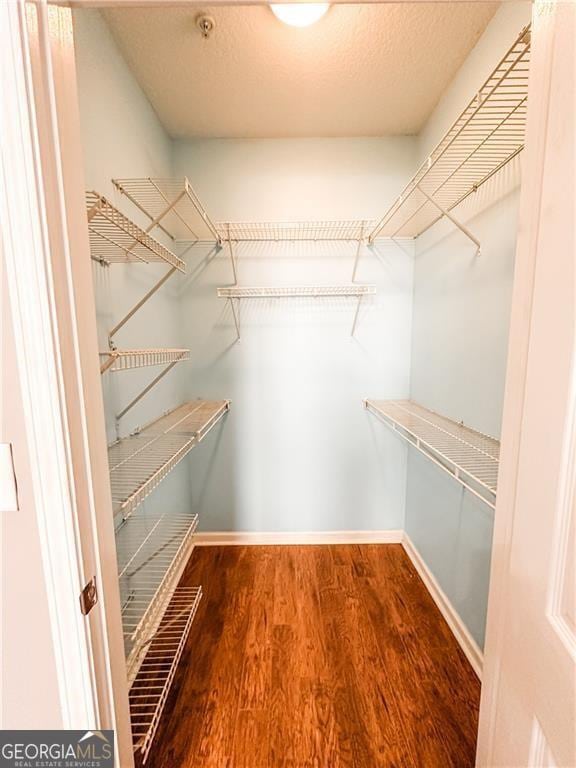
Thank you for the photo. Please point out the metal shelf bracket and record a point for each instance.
(452, 218)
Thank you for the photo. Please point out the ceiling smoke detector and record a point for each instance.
(206, 25)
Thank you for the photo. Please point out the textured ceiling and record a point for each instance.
(363, 70)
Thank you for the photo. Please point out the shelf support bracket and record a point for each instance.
(232, 257)
(454, 220)
(235, 316)
(146, 389)
(139, 304)
(356, 313)
(358, 250)
(155, 223)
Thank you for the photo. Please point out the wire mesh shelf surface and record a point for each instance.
(242, 292)
(470, 456)
(126, 359)
(116, 239)
(486, 136)
(149, 690)
(151, 554)
(295, 230)
(172, 204)
(140, 462)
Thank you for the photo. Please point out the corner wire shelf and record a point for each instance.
(470, 457)
(488, 134)
(296, 291)
(116, 239)
(149, 690)
(140, 462)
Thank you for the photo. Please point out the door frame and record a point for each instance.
(63, 408)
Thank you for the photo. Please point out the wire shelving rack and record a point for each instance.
(114, 238)
(237, 292)
(295, 291)
(486, 136)
(172, 205)
(151, 556)
(468, 455)
(127, 359)
(150, 688)
(140, 462)
(258, 231)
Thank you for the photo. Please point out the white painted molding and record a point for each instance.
(223, 538)
(451, 616)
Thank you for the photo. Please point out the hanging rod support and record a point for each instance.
(139, 304)
(232, 259)
(146, 389)
(454, 220)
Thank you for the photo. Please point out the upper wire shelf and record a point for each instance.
(172, 205)
(294, 230)
(116, 239)
(265, 292)
(140, 462)
(126, 359)
(469, 456)
(149, 690)
(487, 135)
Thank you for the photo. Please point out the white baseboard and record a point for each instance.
(222, 538)
(459, 630)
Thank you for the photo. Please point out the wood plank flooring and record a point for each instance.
(317, 657)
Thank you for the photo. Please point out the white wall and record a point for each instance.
(123, 138)
(459, 342)
(297, 451)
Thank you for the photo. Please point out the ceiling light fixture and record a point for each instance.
(299, 14)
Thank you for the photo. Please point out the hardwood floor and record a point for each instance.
(317, 657)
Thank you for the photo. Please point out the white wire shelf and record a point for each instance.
(172, 205)
(486, 136)
(280, 292)
(257, 231)
(151, 686)
(140, 462)
(126, 359)
(469, 456)
(152, 553)
(116, 239)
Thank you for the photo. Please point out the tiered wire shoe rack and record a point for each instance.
(486, 136)
(470, 457)
(152, 550)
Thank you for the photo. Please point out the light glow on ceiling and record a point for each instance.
(299, 14)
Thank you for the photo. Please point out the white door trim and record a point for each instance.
(508, 516)
(26, 260)
(51, 304)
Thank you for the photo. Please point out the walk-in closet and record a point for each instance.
(302, 238)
